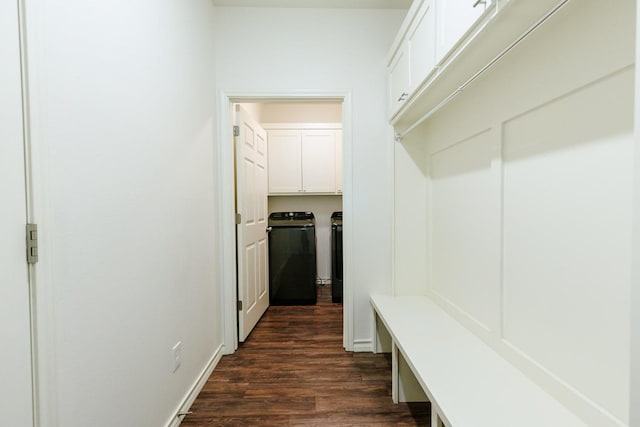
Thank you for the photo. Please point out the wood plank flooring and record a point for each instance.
(294, 371)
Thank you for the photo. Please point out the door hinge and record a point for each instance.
(236, 131)
(239, 305)
(238, 218)
(32, 243)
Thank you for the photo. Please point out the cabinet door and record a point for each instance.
(399, 78)
(421, 40)
(285, 156)
(339, 161)
(454, 19)
(319, 161)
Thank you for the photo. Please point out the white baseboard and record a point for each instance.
(195, 389)
(363, 346)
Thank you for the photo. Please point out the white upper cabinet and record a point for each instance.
(454, 19)
(414, 58)
(432, 30)
(305, 160)
(442, 45)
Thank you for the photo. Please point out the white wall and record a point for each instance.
(290, 50)
(528, 207)
(123, 106)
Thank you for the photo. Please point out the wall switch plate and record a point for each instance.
(177, 355)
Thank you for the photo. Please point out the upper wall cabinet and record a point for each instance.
(414, 58)
(442, 45)
(430, 31)
(304, 159)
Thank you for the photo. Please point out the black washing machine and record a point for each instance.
(292, 258)
(336, 257)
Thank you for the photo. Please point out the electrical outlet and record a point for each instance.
(177, 355)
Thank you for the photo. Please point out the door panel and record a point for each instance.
(15, 329)
(399, 78)
(422, 45)
(339, 162)
(318, 161)
(285, 162)
(251, 196)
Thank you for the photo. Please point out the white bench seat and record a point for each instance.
(467, 382)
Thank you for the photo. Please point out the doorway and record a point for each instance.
(229, 295)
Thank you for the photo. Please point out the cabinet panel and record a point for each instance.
(318, 161)
(285, 161)
(399, 78)
(421, 40)
(339, 162)
(454, 19)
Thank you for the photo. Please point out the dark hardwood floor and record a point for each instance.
(293, 370)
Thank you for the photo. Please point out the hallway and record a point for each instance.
(293, 371)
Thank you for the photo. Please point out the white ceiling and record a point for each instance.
(325, 4)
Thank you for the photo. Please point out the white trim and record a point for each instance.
(347, 217)
(29, 204)
(191, 396)
(364, 346)
(303, 194)
(317, 4)
(43, 314)
(634, 393)
(270, 126)
(226, 200)
(226, 217)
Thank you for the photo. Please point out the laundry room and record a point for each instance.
(304, 189)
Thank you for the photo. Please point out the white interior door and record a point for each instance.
(251, 201)
(15, 329)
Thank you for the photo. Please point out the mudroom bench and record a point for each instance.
(436, 359)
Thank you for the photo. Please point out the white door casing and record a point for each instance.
(15, 324)
(226, 163)
(251, 203)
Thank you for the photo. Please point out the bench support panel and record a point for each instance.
(383, 341)
(409, 389)
(436, 421)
